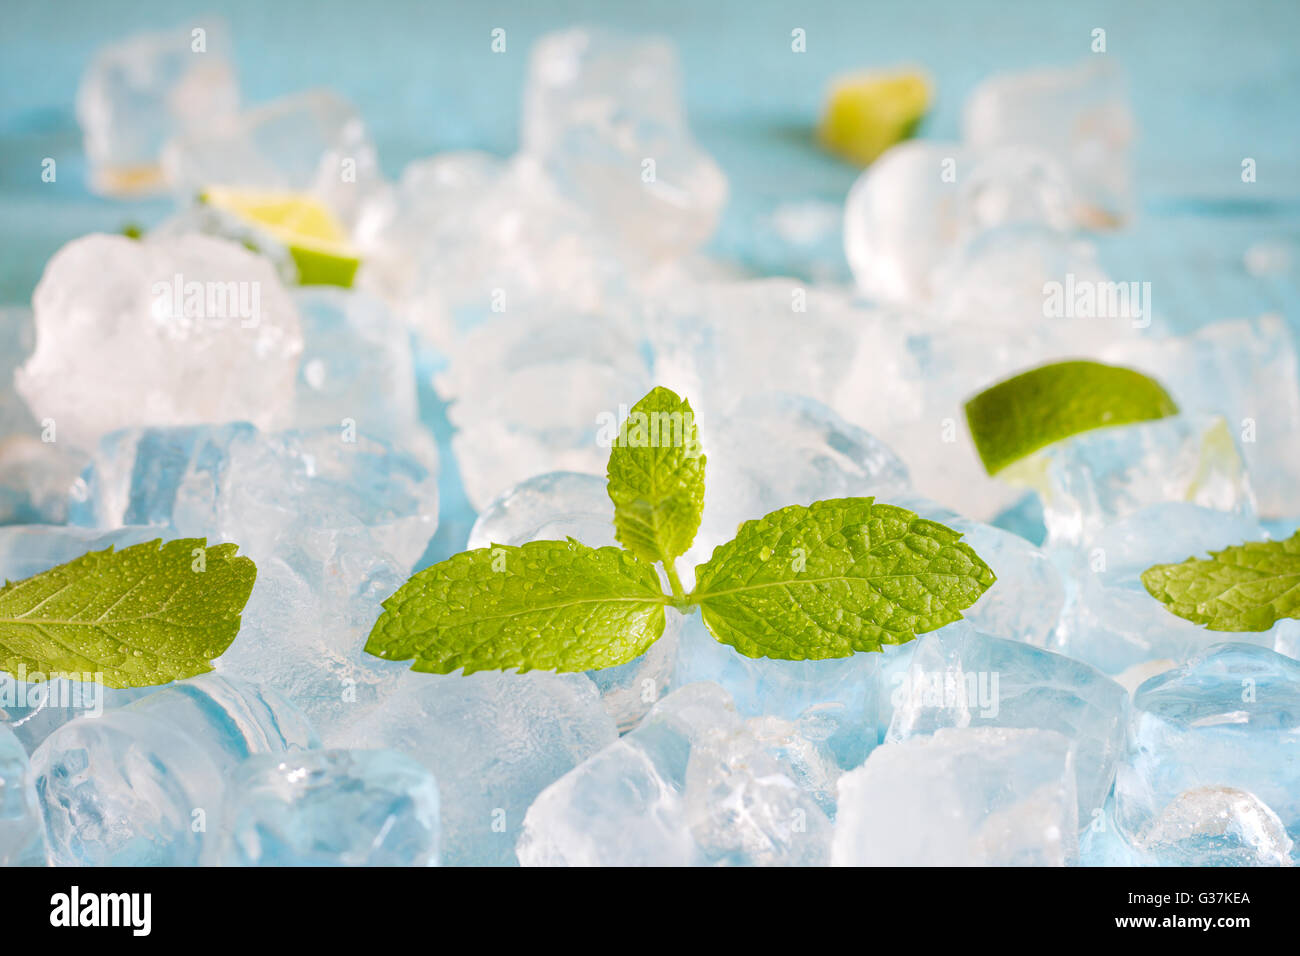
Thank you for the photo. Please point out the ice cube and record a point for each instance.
(833, 702)
(357, 367)
(331, 808)
(316, 494)
(1112, 622)
(962, 678)
(138, 92)
(603, 116)
(690, 785)
(1246, 371)
(1218, 826)
(1078, 115)
(21, 839)
(143, 785)
(972, 796)
(310, 142)
(493, 741)
(578, 371)
(1101, 476)
(131, 333)
(1227, 718)
(771, 450)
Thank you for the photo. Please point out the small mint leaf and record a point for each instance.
(656, 478)
(148, 614)
(547, 605)
(1246, 587)
(838, 576)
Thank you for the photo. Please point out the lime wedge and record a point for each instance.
(314, 238)
(866, 113)
(1015, 418)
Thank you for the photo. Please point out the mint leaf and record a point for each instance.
(1247, 587)
(550, 605)
(141, 616)
(656, 478)
(845, 575)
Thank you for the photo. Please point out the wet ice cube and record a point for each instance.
(1218, 826)
(493, 741)
(127, 788)
(132, 332)
(1079, 115)
(138, 92)
(21, 841)
(311, 142)
(962, 678)
(1112, 622)
(690, 785)
(1227, 718)
(972, 796)
(332, 808)
(1101, 476)
(834, 702)
(603, 116)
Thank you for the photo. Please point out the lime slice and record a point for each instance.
(866, 113)
(303, 224)
(1015, 418)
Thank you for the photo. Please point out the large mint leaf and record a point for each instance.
(1246, 587)
(656, 478)
(548, 605)
(836, 577)
(141, 616)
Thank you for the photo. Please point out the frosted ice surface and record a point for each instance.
(331, 808)
(1112, 622)
(126, 788)
(580, 374)
(139, 92)
(690, 785)
(962, 678)
(132, 333)
(309, 142)
(565, 504)
(1218, 826)
(972, 796)
(603, 116)
(1078, 115)
(493, 741)
(1227, 718)
(1098, 477)
(21, 839)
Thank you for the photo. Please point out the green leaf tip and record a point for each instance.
(1245, 587)
(836, 577)
(141, 616)
(656, 478)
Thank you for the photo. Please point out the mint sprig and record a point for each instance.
(1246, 587)
(802, 583)
(148, 614)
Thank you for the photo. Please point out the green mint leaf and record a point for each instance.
(547, 605)
(148, 614)
(1247, 587)
(656, 478)
(845, 575)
